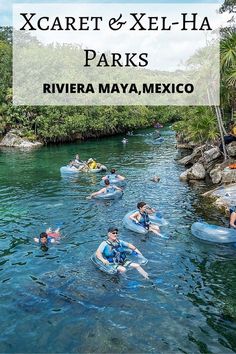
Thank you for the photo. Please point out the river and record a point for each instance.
(57, 302)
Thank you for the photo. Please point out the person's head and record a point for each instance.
(112, 233)
(107, 182)
(43, 237)
(90, 160)
(113, 170)
(141, 206)
(77, 156)
(231, 123)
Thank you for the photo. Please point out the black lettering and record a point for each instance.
(56, 23)
(141, 28)
(185, 21)
(70, 23)
(116, 57)
(28, 22)
(143, 58)
(96, 22)
(39, 24)
(103, 60)
(205, 22)
(129, 57)
(46, 88)
(189, 88)
(90, 54)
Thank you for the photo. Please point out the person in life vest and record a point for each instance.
(112, 253)
(232, 217)
(142, 217)
(231, 137)
(91, 163)
(113, 175)
(107, 189)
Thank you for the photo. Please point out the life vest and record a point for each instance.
(144, 220)
(110, 189)
(111, 176)
(118, 253)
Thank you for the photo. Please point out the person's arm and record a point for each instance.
(134, 217)
(118, 188)
(103, 190)
(100, 257)
(133, 248)
(121, 178)
(105, 177)
(36, 239)
(150, 210)
(232, 220)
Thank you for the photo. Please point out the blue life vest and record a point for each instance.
(110, 189)
(112, 176)
(118, 255)
(144, 220)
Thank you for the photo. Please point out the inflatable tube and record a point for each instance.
(213, 233)
(109, 196)
(97, 170)
(116, 181)
(109, 269)
(68, 170)
(112, 268)
(133, 226)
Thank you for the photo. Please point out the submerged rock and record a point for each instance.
(224, 196)
(13, 139)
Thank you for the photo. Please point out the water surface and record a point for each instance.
(56, 301)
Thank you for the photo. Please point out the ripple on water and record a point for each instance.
(188, 305)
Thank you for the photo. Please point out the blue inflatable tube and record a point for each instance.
(133, 226)
(112, 268)
(213, 233)
(109, 196)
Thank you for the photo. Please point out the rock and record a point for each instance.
(228, 176)
(216, 174)
(184, 176)
(211, 154)
(223, 196)
(13, 139)
(231, 149)
(191, 159)
(197, 171)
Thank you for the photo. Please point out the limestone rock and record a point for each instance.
(184, 175)
(191, 159)
(197, 171)
(216, 174)
(13, 139)
(229, 176)
(231, 149)
(211, 154)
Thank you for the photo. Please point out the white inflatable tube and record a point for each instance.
(213, 233)
(133, 226)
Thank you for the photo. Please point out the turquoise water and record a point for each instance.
(57, 302)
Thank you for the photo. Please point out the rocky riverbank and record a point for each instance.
(16, 139)
(206, 163)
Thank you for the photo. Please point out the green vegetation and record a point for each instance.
(52, 124)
